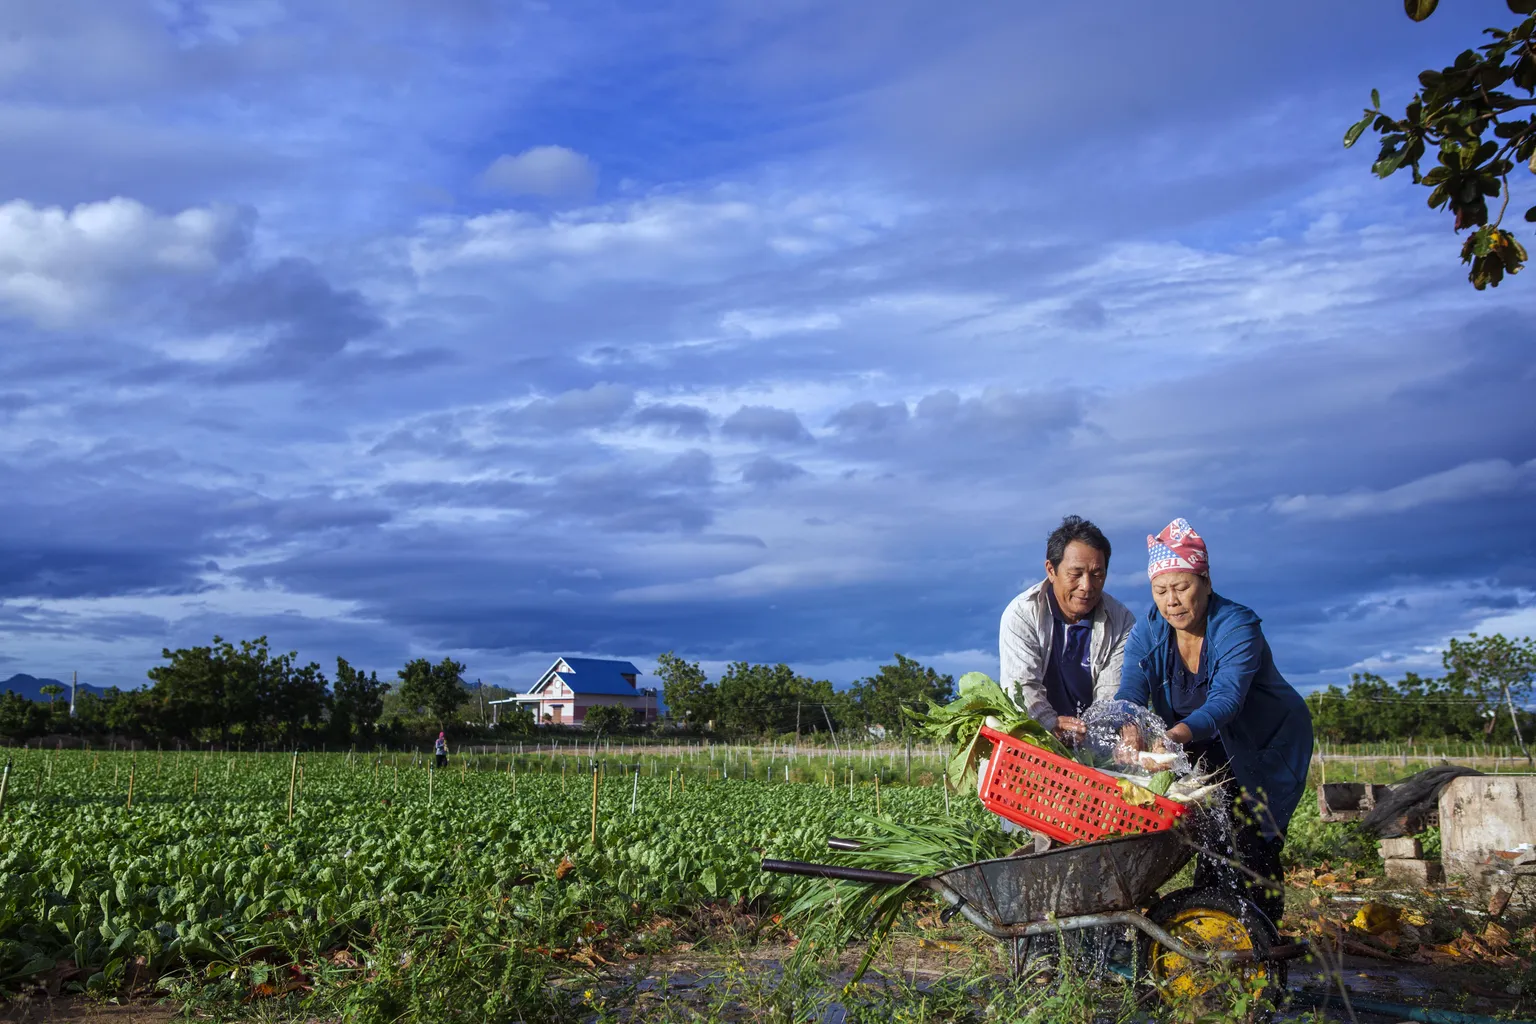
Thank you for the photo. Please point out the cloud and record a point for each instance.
(1470, 481)
(765, 423)
(765, 470)
(870, 417)
(551, 171)
(296, 316)
(678, 420)
(597, 406)
(58, 266)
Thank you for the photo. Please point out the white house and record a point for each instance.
(572, 685)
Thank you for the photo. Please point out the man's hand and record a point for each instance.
(1070, 730)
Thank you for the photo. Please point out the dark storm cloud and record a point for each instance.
(765, 423)
(304, 318)
(765, 470)
(677, 420)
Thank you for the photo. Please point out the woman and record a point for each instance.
(440, 751)
(1202, 663)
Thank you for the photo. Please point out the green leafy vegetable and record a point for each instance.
(959, 722)
(831, 914)
(1160, 783)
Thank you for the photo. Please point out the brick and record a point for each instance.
(1412, 871)
(1401, 849)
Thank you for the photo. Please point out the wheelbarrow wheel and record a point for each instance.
(1210, 920)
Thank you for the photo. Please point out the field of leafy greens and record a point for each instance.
(393, 889)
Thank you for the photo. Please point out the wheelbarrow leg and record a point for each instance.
(1018, 957)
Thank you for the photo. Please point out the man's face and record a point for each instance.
(1078, 582)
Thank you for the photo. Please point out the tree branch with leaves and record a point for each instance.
(1453, 114)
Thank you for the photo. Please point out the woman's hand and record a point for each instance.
(1180, 734)
(1131, 744)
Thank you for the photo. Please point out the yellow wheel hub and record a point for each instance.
(1202, 929)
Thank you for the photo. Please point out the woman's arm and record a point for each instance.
(1134, 684)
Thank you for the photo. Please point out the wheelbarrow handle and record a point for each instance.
(865, 875)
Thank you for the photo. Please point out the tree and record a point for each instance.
(52, 690)
(1453, 112)
(687, 690)
(226, 691)
(607, 718)
(438, 689)
(879, 698)
(357, 701)
(1496, 670)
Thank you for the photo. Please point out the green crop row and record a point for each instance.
(205, 874)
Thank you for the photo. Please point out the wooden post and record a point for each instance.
(5, 783)
(877, 793)
(293, 782)
(594, 807)
(194, 782)
(130, 784)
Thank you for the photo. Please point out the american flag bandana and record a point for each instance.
(1177, 549)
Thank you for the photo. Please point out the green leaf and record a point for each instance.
(1418, 10)
(1522, 6)
(1352, 135)
(1376, 99)
(1530, 215)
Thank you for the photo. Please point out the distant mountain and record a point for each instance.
(31, 687)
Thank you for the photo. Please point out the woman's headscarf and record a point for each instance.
(1177, 549)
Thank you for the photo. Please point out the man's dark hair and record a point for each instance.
(1074, 528)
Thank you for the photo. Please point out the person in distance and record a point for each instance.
(1062, 641)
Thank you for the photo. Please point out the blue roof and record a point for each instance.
(595, 675)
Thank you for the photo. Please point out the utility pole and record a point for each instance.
(74, 683)
(479, 690)
(797, 727)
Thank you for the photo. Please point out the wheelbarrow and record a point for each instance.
(1108, 884)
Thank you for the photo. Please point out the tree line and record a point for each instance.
(247, 696)
(753, 699)
(1483, 695)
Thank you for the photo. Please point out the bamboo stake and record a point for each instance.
(5, 783)
(194, 782)
(130, 785)
(293, 781)
(594, 807)
(877, 793)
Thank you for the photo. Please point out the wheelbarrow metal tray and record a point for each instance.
(1083, 878)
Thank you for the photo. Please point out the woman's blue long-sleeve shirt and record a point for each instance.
(1262, 721)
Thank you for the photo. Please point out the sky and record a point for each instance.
(766, 331)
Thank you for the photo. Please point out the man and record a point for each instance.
(1062, 641)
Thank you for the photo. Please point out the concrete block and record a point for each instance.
(1411, 871)
(1401, 849)
(1486, 823)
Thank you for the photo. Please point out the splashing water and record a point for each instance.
(1105, 748)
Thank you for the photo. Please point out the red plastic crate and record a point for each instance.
(1055, 795)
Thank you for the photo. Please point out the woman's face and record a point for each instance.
(1181, 597)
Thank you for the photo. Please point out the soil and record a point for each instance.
(83, 1010)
